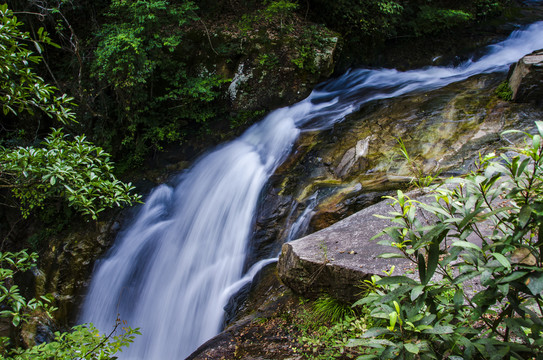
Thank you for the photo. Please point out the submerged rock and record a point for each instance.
(526, 78)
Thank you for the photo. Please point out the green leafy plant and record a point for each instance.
(421, 177)
(328, 308)
(21, 89)
(325, 337)
(504, 92)
(485, 228)
(141, 56)
(75, 171)
(281, 11)
(82, 342)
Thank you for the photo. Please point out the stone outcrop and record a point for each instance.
(526, 78)
(336, 260)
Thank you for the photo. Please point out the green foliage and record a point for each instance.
(76, 171)
(141, 55)
(372, 22)
(325, 337)
(276, 15)
(281, 11)
(486, 226)
(357, 19)
(313, 39)
(328, 308)
(487, 8)
(14, 305)
(21, 89)
(504, 92)
(431, 20)
(82, 342)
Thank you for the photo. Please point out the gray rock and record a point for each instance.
(526, 79)
(338, 259)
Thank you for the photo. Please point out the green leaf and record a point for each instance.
(421, 264)
(466, 245)
(466, 276)
(412, 348)
(524, 215)
(391, 256)
(514, 276)
(416, 292)
(502, 259)
(433, 256)
(440, 329)
(535, 283)
(375, 331)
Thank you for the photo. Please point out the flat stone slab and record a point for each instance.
(339, 258)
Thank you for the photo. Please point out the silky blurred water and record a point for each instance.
(173, 269)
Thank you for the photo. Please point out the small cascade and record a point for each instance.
(172, 270)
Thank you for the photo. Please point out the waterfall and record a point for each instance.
(171, 271)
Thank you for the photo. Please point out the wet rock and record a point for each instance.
(262, 330)
(65, 268)
(526, 79)
(356, 162)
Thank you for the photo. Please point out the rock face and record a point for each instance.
(526, 78)
(339, 258)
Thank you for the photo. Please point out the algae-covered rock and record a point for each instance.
(357, 161)
(66, 265)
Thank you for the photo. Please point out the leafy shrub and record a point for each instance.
(75, 171)
(432, 20)
(327, 337)
(486, 227)
(82, 342)
(142, 56)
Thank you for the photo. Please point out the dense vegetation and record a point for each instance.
(478, 277)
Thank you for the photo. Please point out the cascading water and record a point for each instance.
(172, 270)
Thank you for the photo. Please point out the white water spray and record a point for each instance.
(172, 270)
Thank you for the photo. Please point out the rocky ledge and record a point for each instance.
(337, 259)
(526, 77)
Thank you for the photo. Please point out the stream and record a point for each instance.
(172, 270)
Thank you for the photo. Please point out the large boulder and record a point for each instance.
(526, 78)
(338, 259)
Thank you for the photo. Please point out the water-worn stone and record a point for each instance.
(526, 79)
(336, 260)
(357, 161)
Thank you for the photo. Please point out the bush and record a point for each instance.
(82, 342)
(485, 227)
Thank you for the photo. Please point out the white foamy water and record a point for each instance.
(173, 269)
